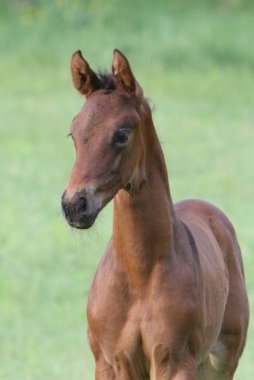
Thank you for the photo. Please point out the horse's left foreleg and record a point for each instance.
(185, 375)
(187, 370)
(170, 370)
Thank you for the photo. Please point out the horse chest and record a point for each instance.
(130, 329)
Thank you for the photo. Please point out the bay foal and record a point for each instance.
(168, 300)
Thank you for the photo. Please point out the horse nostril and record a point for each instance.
(82, 204)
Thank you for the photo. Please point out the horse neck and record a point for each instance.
(143, 220)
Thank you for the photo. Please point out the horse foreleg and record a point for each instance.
(187, 370)
(104, 371)
(169, 370)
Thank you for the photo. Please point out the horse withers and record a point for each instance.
(168, 300)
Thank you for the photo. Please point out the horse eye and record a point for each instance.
(121, 137)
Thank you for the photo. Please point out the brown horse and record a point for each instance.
(168, 300)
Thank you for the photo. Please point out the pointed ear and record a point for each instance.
(84, 78)
(122, 72)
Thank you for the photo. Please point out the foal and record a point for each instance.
(168, 300)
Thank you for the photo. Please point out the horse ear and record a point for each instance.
(122, 72)
(84, 78)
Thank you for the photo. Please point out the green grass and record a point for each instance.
(195, 60)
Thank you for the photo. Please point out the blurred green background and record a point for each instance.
(195, 60)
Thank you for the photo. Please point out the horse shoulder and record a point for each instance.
(106, 286)
(107, 302)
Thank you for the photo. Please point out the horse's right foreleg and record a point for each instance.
(104, 371)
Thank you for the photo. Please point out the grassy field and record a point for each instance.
(195, 60)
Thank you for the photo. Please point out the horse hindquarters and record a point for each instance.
(222, 268)
(225, 356)
(226, 353)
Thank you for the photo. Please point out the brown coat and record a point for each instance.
(168, 300)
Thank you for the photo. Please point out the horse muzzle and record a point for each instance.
(80, 209)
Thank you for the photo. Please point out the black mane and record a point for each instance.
(106, 81)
